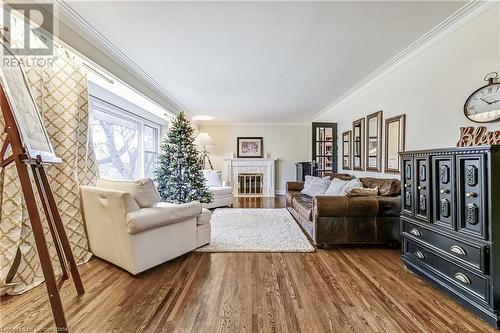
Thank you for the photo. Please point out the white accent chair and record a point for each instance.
(128, 226)
(222, 191)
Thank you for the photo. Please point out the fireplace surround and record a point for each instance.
(251, 177)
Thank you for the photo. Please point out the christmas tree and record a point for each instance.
(179, 175)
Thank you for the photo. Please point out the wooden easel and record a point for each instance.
(23, 163)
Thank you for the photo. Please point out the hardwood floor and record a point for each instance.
(276, 202)
(342, 289)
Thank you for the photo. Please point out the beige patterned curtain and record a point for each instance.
(61, 93)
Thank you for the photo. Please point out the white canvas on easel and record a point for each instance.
(28, 119)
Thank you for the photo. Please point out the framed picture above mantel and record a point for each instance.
(250, 147)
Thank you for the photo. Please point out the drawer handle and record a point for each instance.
(462, 278)
(457, 250)
(419, 255)
(445, 191)
(407, 185)
(421, 187)
(415, 232)
(470, 194)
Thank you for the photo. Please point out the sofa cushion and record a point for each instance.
(203, 234)
(142, 190)
(221, 190)
(213, 178)
(353, 183)
(204, 217)
(290, 195)
(362, 192)
(315, 186)
(163, 214)
(343, 176)
(335, 187)
(387, 187)
(389, 206)
(303, 205)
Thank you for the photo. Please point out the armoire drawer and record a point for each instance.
(470, 284)
(474, 255)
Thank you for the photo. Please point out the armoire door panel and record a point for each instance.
(407, 186)
(421, 190)
(471, 197)
(443, 198)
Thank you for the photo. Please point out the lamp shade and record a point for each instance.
(204, 140)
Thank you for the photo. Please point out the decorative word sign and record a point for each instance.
(470, 136)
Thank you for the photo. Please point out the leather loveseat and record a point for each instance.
(348, 220)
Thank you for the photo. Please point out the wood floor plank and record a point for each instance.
(338, 289)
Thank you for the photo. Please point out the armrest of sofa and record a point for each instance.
(161, 215)
(356, 206)
(294, 186)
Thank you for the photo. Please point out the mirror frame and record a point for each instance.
(376, 115)
(361, 123)
(349, 150)
(401, 119)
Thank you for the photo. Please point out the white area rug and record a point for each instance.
(255, 230)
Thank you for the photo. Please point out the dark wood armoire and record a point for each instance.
(450, 223)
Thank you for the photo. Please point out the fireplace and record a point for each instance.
(250, 183)
(251, 177)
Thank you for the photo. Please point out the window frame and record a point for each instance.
(115, 111)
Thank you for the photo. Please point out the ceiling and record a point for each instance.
(261, 61)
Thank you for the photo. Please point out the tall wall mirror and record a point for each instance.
(346, 150)
(394, 142)
(374, 142)
(358, 138)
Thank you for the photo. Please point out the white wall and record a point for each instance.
(287, 143)
(430, 88)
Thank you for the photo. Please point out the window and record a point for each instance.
(150, 150)
(126, 145)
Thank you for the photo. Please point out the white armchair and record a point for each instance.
(128, 226)
(222, 191)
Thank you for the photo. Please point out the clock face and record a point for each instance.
(484, 104)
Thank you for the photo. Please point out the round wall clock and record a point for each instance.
(483, 106)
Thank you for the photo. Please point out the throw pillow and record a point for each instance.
(343, 176)
(315, 186)
(213, 178)
(387, 187)
(362, 192)
(350, 185)
(335, 187)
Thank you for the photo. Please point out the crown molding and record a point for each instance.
(457, 20)
(76, 20)
(232, 124)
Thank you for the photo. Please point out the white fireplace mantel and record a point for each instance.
(235, 166)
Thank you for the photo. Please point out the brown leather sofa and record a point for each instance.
(348, 220)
